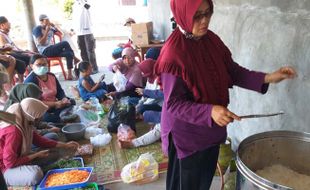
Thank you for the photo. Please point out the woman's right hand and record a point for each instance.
(115, 68)
(40, 154)
(58, 104)
(139, 91)
(222, 116)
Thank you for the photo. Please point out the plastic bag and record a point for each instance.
(92, 132)
(88, 117)
(119, 81)
(85, 149)
(121, 112)
(67, 115)
(101, 139)
(144, 170)
(125, 133)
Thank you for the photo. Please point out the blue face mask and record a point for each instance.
(40, 70)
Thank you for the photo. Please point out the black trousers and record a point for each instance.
(21, 56)
(194, 172)
(61, 49)
(87, 45)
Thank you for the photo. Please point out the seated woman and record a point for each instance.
(53, 95)
(146, 139)
(128, 66)
(30, 90)
(152, 95)
(16, 158)
(87, 87)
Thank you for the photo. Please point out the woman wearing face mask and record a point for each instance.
(52, 93)
(16, 140)
(196, 70)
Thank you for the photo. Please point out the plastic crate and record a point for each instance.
(79, 159)
(89, 185)
(68, 186)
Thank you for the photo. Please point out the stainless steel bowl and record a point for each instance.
(288, 148)
(74, 131)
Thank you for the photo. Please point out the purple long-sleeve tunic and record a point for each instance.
(189, 122)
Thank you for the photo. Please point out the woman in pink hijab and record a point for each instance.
(195, 70)
(128, 66)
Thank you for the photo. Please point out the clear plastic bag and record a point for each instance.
(144, 170)
(119, 81)
(125, 133)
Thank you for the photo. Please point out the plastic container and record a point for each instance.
(74, 131)
(79, 159)
(68, 186)
(89, 185)
(60, 164)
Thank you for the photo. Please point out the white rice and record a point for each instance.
(282, 175)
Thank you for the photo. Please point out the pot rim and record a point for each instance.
(252, 176)
(68, 132)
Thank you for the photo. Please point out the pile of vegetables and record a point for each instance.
(62, 163)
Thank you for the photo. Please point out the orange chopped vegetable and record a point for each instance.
(68, 177)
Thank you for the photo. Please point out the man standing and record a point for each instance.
(43, 39)
(85, 40)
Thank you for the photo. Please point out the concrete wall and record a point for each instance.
(265, 35)
(159, 13)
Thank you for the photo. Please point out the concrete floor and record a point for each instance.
(156, 185)
(103, 52)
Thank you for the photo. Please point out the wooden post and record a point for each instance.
(28, 10)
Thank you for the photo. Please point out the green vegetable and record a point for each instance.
(91, 116)
(63, 164)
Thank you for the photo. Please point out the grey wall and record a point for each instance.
(265, 35)
(159, 12)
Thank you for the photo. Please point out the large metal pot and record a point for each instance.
(288, 148)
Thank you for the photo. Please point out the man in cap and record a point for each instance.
(85, 37)
(43, 35)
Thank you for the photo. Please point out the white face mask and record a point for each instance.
(42, 70)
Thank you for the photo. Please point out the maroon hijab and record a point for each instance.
(147, 68)
(202, 64)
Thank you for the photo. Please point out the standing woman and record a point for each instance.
(196, 70)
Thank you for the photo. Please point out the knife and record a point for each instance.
(260, 115)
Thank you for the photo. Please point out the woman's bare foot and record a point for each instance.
(70, 76)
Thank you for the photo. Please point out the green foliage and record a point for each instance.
(62, 163)
(68, 4)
